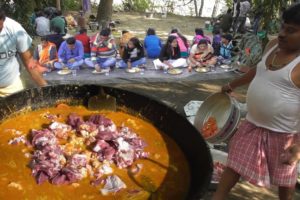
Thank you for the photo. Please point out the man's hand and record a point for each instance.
(97, 67)
(227, 88)
(72, 60)
(198, 64)
(30, 65)
(170, 66)
(291, 155)
(244, 69)
(129, 65)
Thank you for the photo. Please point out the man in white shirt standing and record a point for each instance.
(14, 40)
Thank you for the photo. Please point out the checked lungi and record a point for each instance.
(255, 152)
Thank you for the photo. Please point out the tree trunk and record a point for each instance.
(196, 8)
(104, 13)
(58, 5)
(215, 8)
(201, 8)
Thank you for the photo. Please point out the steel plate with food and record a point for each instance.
(133, 70)
(57, 148)
(226, 66)
(64, 72)
(202, 69)
(103, 71)
(175, 71)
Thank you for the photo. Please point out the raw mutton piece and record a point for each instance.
(66, 153)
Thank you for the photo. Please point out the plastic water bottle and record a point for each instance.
(142, 71)
(212, 68)
(74, 72)
(165, 70)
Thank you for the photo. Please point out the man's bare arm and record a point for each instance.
(29, 64)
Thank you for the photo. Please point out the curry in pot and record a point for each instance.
(69, 152)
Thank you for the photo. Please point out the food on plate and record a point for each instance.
(64, 71)
(133, 70)
(73, 153)
(103, 71)
(226, 66)
(201, 69)
(175, 71)
(210, 127)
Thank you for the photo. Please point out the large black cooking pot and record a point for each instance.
(164, 118)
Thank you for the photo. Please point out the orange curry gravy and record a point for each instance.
(163, 175)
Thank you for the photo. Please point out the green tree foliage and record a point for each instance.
(71, 4)
(136, 5)
(271, 11)
(20, 11)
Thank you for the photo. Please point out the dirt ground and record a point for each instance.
(138, 24)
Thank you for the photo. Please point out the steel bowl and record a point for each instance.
(175, 71)
(225, 110)
(202, 69)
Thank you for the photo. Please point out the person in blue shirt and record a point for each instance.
(226, 48)
(152, 44)
(70, 54)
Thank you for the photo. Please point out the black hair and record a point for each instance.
(39, 13)
(168, 49)
(175, 30)
(57, 30)
(202, 41)
(216, 31)
(58, 12)
(151, 31)
(124, 31)
(45, 38)
(199, 31)
(292, 14)
(2, 13)
(170, 39)
(227, 37)
(83, 30)
(71, 40)
(136, 42)
(105, 32)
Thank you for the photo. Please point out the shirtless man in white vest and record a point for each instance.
(266, 148)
